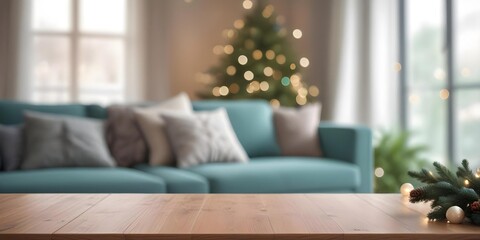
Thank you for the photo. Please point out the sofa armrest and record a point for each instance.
(351, 144)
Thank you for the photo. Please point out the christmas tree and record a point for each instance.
(258, 61)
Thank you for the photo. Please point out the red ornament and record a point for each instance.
(475, 206)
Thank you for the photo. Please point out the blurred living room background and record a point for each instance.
(392, 65)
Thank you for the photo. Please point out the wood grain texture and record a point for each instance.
(223, 216)
(38, 216)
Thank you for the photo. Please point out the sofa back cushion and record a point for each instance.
(11, 112)
(252, 121)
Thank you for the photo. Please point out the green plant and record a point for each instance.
(394, 156)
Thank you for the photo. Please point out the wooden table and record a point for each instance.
(250, 216)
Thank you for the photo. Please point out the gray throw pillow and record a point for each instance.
(203, 137)
(64, 141)
(124, 137)
(10, 147)
(297, 130)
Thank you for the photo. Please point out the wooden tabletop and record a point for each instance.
(228, 216)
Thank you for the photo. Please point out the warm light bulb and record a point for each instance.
(466, 182)
(270, 54)
(228, 49)
(304, 62)
(406, 188)
(379, 172)
(234, 88)
(247, 4)
(216, 91)
(297, 33)
(238, 24)
(293, 66)
(444, 94)
(268, 71)
(301, 100)
(242, 59)
(218, 50)
(248, 75)
(231, 70)
(264, 86)
(313, 90)
(268, 11)
(281, 59)
(257, 54)
(223, 90)
(275, 103)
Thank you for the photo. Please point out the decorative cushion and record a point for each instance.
(124, 137)
(153, 127)
(203, 137)
(64, 141)
(10, 147)
(252, 121)
(296, 130)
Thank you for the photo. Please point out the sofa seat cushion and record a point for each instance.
(80, 180)
(281, 175)
(177, 180)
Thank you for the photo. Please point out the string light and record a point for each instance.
(264, 86)
(218, 50)
(313, 90)
(297, 33)
(397, 67)
(248, 75)
(216, 91)
(228, 49)
(275, 103)
(239, 24)
(439, 74)
(234, 88)
(247, 4)
(302, 92)
(301, 100)
(231, 70)
(255, 86)
(379, 172)
(268, 71)
(223, 90)
(281, 59)
(242, 59)
(285, 81)
(444, 94)
(466, 182)
(304, 62)
(270, 54)
(295, 80)
(293, 66)
(257, 54)
(268, 11)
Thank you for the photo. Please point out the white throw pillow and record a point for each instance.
(153, 127)
(204, 137)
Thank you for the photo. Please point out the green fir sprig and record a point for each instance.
(446, 189)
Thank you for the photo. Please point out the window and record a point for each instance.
(79, 49)
(440, 56)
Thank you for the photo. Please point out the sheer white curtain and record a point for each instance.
(363, 83)
(14, 50)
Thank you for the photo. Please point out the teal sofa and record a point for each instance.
(346, 166)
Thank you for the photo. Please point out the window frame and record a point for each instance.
(453, 86)
(74, 35)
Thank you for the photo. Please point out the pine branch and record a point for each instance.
(424, 176)
(446, 175)
(466, 173)
(437, 213)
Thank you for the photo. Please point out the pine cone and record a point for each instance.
(475, 206)
(416, 194)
